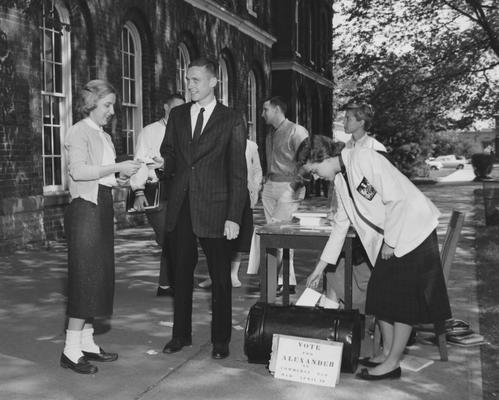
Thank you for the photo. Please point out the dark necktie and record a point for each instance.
(199, 125)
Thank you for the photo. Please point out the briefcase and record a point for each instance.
(264, 320)
(152, 192)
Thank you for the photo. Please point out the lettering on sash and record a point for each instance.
(366, 189)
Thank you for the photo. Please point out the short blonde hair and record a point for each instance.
(92, 92)
(362, 112)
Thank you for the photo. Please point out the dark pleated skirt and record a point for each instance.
(410, 289)
(90, 234)
(243, 242)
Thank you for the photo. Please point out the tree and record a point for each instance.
(426, 66)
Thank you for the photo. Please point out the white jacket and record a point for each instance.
(384, 197)
(367, 142)
(254, 171)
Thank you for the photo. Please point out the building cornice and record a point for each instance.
(234, 20)
(295, 66)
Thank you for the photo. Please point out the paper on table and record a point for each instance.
(309, 298)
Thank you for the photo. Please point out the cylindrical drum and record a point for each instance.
(265, 320)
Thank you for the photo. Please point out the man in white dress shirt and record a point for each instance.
(148, 144)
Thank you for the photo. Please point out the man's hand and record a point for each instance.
(231, 230)
(158, 163)
(386, 251)
(140, 202)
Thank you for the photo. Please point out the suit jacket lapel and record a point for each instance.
(217, 111)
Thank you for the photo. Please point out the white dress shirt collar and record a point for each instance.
(208, 110)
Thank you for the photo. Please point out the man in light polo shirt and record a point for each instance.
(357, 122)
(358, 117)
(282, 143)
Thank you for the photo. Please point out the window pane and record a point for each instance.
(57, 140)
(123, 39)
(126, 88)
(47, 115)
(58, 78)
(130, 144)
(49, 82)
(47, 48)
(57, 171)
(56, 119)
(47, 140)
(126, 63)
(132, 66)
(131, 48)
(57, 47)
(132, 92)
(48, 171)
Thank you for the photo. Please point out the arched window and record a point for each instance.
(223, 82)
(183, 61)
(56, 92)
(251, 108)
(131, 86)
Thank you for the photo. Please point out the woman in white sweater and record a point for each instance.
(89, 226)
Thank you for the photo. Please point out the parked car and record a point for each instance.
(452, 161)
(433, 164)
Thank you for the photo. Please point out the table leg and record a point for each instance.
(268, 274)
(348, 273)
(285, 277)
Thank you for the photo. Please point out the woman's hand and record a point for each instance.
(315, 277)
(387, 251)
(129, 167)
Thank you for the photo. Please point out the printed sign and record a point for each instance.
(306, 360)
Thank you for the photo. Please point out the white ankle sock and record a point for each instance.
(72, 347)
(87, 341)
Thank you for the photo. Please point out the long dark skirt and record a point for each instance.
(410, 289)
(243, 241)
(90, 234)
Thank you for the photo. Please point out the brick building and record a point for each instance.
(50, 48)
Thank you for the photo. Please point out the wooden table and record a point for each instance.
(294, 236)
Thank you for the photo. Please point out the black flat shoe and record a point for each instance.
(220, 351)
(366, 362)
(169, 291)
(81, 367)
(102, 356)
(280, 290)
(176, 344)
(365, 375)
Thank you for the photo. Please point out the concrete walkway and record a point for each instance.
(32, 308)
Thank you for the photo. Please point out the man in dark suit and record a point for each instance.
(205, 168)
